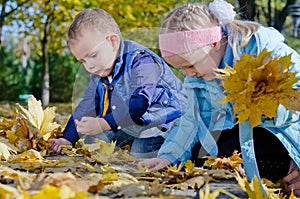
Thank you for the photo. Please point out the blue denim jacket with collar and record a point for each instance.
(205, 114)
(143, 93)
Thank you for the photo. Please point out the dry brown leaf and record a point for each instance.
(194, 183)
(231, 163)
(6, 151)
(59, 180)
(7, 124)
(38, 120)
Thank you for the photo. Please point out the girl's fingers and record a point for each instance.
(293, 175)
(295, 187)
(150, 163)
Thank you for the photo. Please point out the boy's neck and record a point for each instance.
(109, 78)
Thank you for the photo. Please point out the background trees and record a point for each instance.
(51, 70)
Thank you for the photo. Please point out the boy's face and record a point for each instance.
(96, 51)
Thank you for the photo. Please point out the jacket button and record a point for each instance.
(113, 107)
(111, 88)
(119, 127)
(165, 102)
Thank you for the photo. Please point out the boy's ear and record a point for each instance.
(115, 41)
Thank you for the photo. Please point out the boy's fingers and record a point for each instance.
(77, 122)
(84, 119)
(57, 149)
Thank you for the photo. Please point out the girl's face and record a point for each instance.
(96, 51)
(200, 63)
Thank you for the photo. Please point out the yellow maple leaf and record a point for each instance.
(207, 194)
(188, 166)
(230, 163)
(258, 85)
(101, 147)
(101, 151)
(39, 121)
(174, 168)
(253, 188)
(64, 192)
(118, 179)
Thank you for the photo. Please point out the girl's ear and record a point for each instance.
(115, 41)
(217, 45)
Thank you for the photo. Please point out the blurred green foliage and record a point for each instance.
(12, 81)
(139, 20)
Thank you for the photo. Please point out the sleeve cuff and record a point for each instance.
(111, 121)
(70, 132)
(171, 158)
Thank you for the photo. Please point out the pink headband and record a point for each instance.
(187, 41)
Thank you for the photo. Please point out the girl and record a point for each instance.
(198, 39)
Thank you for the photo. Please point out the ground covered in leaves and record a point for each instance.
(30, 170)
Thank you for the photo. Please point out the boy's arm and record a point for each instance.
(86, 107)
(145, 74)
(70, 132)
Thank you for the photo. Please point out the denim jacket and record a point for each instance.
(205, 115)
(144, 94)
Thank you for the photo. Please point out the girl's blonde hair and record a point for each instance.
(196, 16)
(93, 19)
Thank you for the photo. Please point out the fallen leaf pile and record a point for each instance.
(257, 85)
(29, 170)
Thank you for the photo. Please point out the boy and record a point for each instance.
(133, 96)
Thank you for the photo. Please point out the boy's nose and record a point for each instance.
(89, 65)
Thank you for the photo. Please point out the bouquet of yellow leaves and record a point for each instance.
(258, 85)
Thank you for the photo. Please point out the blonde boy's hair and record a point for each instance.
(93, 19)
(196, 16)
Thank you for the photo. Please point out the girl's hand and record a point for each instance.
(91, 125)
(155, 164)
(293, 179)
(55, 144)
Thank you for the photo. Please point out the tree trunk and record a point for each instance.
(45, 59)
(247, 8)
(280, 16)
(2, 16)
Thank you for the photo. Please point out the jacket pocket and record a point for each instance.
(161, 98)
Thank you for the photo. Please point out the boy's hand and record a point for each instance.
(91, 125)
(155, 164)
(55, 144)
